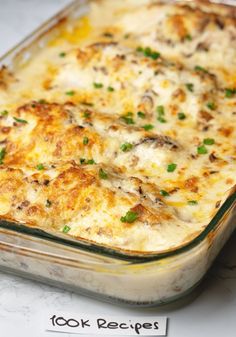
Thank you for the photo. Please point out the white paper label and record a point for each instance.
(105, 325)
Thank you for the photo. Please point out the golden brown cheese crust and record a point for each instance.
(120, 133)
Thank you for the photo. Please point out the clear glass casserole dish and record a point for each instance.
(131, 278)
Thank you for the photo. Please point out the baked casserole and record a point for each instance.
(121, 130)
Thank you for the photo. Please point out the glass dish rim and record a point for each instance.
(86, 245)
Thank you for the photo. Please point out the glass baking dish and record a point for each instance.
(124, 277)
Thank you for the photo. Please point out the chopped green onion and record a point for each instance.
(42, 101)
(85, 140)
(181, 116)
(154, 55)
(209, 141)
(127, 119)
(148, 52)
(161, 110)
(110, 89)
(126, 147)
(199, 68)
(211, 105)
(161, 113)
(164, 193)
(103, 174)
(190, 86)
(62, 54)
(2, 155)
(148, 127)
(66, 229)
(192, 202)
(188, 37)
(139, 49)
(4, 113)
(129, 217)
(19, 120)
(70, 93)
(161, 119)
(40, 167)
(202, 149)
(97, 85)
(230, 92)
(171, 167)
(141, 114)
(90, 162)
(86, 114)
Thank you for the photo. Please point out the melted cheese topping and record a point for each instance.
(123, 133)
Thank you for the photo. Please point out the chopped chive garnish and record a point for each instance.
(199, 68)
(4, 113)
(48, 203)
(181, 116)
(192, 202)
(230, 92)
(211, 105)
(62, 54)
(161, 119)
(209, 141)
(40, 167)
(148, 127)
(126, 147)
(85, 140)
(86, 114)
(70, 93)
(171, 167)
(139, 49)
(161, 110)
(2, 155)
(202, 149)
(110, 89)
(154, 55)
(161, 113)
(127, 119)
(164, 193)
(42, 101)
(188, 37)
(148, 52)
(141, 114)
(66, 229)
(190, 86)
(97, 85)
(90, 162)
(19, 120)
(103, 174)
(129, 217)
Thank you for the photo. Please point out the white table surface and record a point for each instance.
(22, 302)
